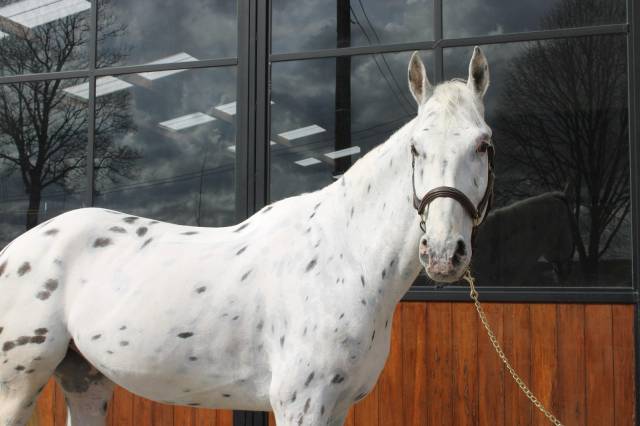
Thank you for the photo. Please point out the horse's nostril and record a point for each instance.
(461, 248)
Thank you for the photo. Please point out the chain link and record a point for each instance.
(494, 341)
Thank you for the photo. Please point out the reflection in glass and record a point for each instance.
(466, 18)
(320, 125)
(558, 110)
(44, 36)
(162, 31)
(181, 146)
(344, 23)
(43, 139)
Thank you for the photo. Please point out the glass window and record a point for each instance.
(331, 24)
(173, 137)
(558, 110)
(465, 18)
(43, 36)
(161, 31)
(312, 143)
(43, 148)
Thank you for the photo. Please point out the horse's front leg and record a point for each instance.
(301, 403)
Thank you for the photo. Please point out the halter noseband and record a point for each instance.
(478, 213)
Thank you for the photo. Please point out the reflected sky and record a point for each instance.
(371, 22)
(183, 144)
(304, 95)
(204, 29)
(466, 18)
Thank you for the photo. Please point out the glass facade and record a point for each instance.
(158, 109)
(177, 145)
(558, 105)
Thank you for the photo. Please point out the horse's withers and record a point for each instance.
(450, 143)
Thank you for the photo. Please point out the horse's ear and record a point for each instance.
(418, 81)
(478, 80)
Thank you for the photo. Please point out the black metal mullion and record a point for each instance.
(91, 107)
(126, 69)
(524, 294)
(454, 42)
(263, 105)
(243, 108)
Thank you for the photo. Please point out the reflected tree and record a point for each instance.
(43, 130)
(563, 119)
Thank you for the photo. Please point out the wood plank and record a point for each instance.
(623, 365)
(517, 347)
(224, 418)
(464, 364)
(544, 364)
(142, 411)
(162, 414)
(351, 418)
(413, 364)
(438, 364)
(366, 411)
(490, 371)
(44, 409)
(599, 365)
(122, 407)
(60, 407)
(390, 384)
(571, 365)
(272, 419)
(206, 417)
(184, 416)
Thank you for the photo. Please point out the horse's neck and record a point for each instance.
(374, 220)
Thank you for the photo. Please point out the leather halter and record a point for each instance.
(478, 213)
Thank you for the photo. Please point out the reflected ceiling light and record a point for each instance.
(178, 57)
(343, 152)
(31, 13)
(104, 86)
(308, 162)
(301, 132)
(186, 121)
(229, 109)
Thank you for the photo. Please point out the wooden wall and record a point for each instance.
(442, 370)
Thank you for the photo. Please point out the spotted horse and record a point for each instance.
(288, 311)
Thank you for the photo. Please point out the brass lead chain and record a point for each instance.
(494, 341)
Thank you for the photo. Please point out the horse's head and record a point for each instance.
(450, 144)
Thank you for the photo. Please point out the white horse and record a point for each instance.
(288, 311)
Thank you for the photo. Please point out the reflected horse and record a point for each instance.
(514, 238)
(288, 311)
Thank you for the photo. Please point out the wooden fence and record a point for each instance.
(442, 370)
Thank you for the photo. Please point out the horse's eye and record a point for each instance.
(483, 147)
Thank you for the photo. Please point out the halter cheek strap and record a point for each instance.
(478, 213)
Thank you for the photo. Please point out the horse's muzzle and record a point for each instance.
(446, 265)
